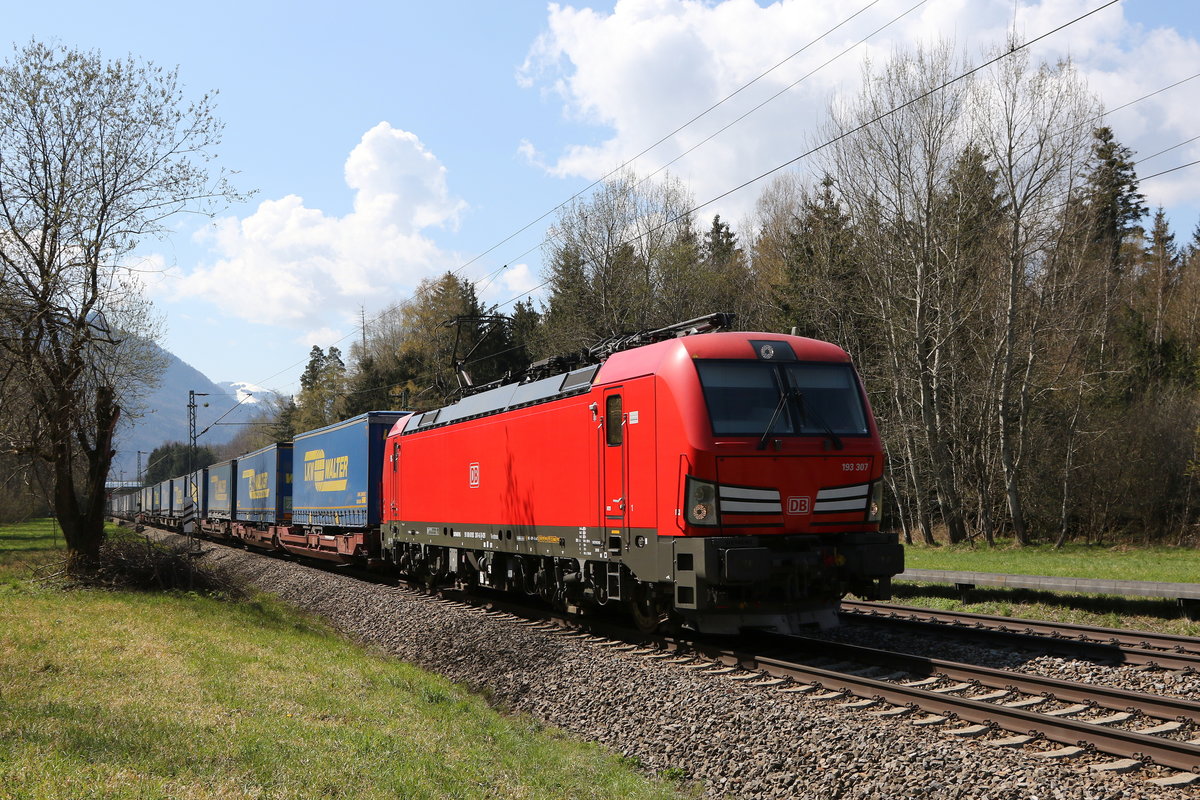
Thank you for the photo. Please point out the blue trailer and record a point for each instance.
(179, 492)
(221, 490)
(198, 488)
(162, 501)
(339, 472)
(264, 486)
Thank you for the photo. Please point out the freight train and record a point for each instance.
(725, 481)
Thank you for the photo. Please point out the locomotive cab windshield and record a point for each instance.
(756, 398)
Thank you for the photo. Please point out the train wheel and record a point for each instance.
(643, 607)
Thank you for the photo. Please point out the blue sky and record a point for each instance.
(387, 142)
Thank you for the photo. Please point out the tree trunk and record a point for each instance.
(81, 516)
(947, 494)
(1007, 422)
(1068, 464)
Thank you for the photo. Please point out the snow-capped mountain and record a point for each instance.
(162, 415)
(248, 393)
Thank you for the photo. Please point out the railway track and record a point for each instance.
(1109, 645)
(1131, 725)
(1005, 708)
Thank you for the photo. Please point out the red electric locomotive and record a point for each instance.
(727, 480)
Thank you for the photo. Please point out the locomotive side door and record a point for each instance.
(391, 498)
(613, 497)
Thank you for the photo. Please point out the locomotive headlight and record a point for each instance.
(875, 506)
(701, 502)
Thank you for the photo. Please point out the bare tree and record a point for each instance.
(891, 174)
(615, 259)
(1033, 122)
(95, 155)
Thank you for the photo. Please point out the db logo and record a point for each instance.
(473, 475)
(797, 505)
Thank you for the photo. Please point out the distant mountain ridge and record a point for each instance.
(163, 416)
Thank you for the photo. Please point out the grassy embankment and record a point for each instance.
(144, 695)
(1176, 565)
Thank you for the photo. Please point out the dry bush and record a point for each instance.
(131, 562)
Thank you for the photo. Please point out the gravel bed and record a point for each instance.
(1150, 681)
(735, 741)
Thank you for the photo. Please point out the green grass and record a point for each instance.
(1171, 564)
(1174, 565)
(141, 695)
(28, 545)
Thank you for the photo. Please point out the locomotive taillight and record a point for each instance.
(701, 502)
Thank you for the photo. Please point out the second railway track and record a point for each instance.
(1107, 645)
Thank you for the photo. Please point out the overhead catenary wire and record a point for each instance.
(211, 424)
(1166, 150)
(226, 414)
(664, 138)
(712, 135)
(878, 118)
(884, 115)
(784, 90)
(1172, 169)
(392, 307)
(544, 283)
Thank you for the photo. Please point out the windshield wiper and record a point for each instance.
(783, 397)
(833, 437)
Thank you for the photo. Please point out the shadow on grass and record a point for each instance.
(33, 537)
(30, 538)
(1165, 608)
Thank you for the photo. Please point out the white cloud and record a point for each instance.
(287, 263)
(644, 69)
(519, 279)
(507, 285)
(516, 282)
(320, 337)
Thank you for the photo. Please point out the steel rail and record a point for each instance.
(1064, 730)
(1142, 639)
(1168, 708)
(1115, 741)
(1133, 648)
(1182, 755)
(1165, 650)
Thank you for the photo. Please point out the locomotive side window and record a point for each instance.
(742, 398)
(613, 432)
